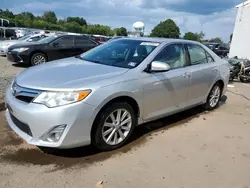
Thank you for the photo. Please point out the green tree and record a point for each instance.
(122, 31)
(73, 27)
(6, 14)
(231, 37)
(99, 30)
(194, 36)
(167, 29)
(217, 40)
(78, 20)
(201, 36)
(50, 17)
(191, 36)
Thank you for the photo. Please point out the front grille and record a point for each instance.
(24, 94)
(22, 126)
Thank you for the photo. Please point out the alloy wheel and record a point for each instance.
(117, 127)
(215, 96)
(39, 59)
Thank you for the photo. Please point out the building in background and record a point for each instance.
(240, 45)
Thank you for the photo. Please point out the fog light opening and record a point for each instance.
(55, 134)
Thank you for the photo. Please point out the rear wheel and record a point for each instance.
(214, 96)
(37, 59)
(114, 126)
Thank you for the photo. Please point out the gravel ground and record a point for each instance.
(193, 149)
(7, 72)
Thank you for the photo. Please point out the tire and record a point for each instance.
(209, 105)
(244, 80)
(38, 58)
(101, 133)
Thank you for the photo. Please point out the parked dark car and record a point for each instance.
(219, 48)
(50, 48)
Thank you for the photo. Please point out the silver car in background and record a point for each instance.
(100, 96)
(4, 45)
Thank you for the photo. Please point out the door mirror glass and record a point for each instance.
(157, 66)
(55, 44)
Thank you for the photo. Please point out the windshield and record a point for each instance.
(24, 37)
(47, 39)
(120, 53)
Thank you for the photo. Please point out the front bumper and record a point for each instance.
(18, 57)
(40, 120)
(3, 51)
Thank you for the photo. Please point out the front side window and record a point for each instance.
(197, 54)
(33, 39)
(121, 53)
(210, 59)
(173, 55)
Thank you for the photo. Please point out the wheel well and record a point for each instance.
(221, 83)
(126, 99)
(35, 52)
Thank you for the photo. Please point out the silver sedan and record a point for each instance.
(100, 96)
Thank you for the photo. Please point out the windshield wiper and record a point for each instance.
(94, 61)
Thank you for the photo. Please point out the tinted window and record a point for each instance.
(121, 53)
(35, 38)
(173, 55)
(65, 41)
(80, 41)
(197, 54)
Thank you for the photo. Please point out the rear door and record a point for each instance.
(83, 44)
(203, 70)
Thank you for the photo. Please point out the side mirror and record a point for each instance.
(157, 66)
(55, 44)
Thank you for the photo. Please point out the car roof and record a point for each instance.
(159, 40)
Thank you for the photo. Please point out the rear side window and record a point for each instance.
(80, 41)
(65, 41)
(197, 54)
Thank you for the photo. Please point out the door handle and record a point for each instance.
(215, 69)
(186, 75)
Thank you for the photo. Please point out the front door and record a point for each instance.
(167, 92)
(61, 48)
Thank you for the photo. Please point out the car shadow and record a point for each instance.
(139, 135)
(20, 65)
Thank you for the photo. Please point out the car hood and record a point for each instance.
(67, 74)
(24, 45)
(8, 42)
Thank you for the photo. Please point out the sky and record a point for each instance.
(215, 18)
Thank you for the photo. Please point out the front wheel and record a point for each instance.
(114, 126)
(37, 59)
(213, 98)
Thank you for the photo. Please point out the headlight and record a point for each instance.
(6, 45)
(54, 99)
(20, 49)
